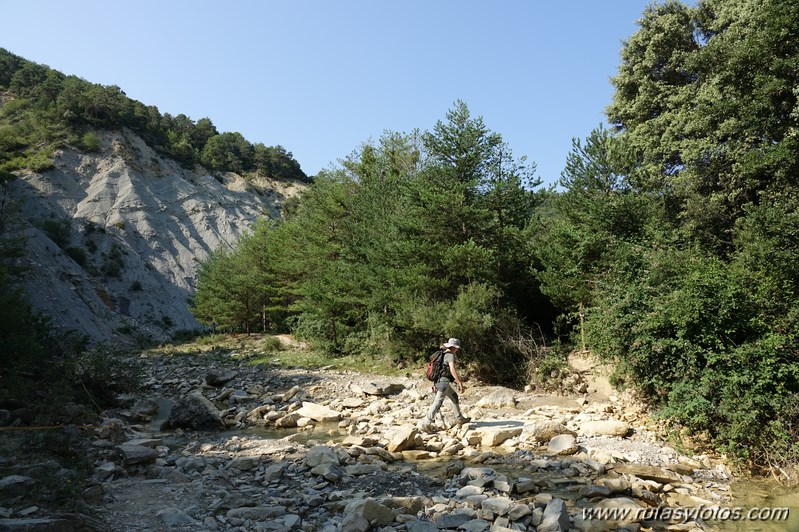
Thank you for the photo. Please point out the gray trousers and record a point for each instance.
(443, 389)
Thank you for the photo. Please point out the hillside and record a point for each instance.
(114, 237)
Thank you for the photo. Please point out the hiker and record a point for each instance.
(443, 387)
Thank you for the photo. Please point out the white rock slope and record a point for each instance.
(114, 239)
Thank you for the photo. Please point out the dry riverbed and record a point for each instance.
(215, 442)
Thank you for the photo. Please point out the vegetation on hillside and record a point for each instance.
(42, 109)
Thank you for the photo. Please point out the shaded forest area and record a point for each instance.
(670, 246)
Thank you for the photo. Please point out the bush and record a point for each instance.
(101, 374)
(89, 142)
(59, 231)
(689, 332)
(113, 262)
(745, 399)
(76, 254)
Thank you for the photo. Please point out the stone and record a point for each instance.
(416, 454)
(478, 472)
(498, 505)
(583, 524)
(421, 526)
(219, 379)
(362, 469)
(194, 412)
(94, 494)
(403, 439)
(544, 431)
(288, 421)
(359, 441)
(411, 505)
(137, 454)
(256, 513)
(175, 517)
(16, 481)
(563, 444)
(476, 525)
(469, 490)
(494, 436)
(144, 442)
(556, 517)
(371, 388)
(330, 472)
(648, 473)
(451, 520)
(594, 490)
(355, 523)
(623, 506)
(245, 463)
(374, 512)
(321, 454)
(519, 511)
(525, 485)
(605, 428)
(353, 402)
(501, 398)
(318, 412)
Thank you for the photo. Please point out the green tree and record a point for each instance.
(706, 96)
(230, 291)
(228, 151)
(700, 315)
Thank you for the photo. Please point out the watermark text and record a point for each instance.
(686, 514)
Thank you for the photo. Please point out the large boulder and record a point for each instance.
(563, 444)
(194, 412)
(609, 427)
(545, 430)
(318, 412)
(500, 398)
(403, 439)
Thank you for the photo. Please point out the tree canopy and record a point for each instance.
(416, 236)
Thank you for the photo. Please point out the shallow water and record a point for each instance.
(772, 507)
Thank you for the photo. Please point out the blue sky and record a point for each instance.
(322, 77)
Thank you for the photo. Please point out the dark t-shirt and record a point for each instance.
(449, 356)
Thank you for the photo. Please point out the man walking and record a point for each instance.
(444, 388)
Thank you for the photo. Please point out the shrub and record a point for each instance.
(113, 262)
(59, 231)
(76, 254)
(102, 373)
(89, 142)
(689, 332)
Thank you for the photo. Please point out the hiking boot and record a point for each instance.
(463, 420)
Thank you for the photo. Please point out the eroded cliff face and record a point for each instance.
(114, 239)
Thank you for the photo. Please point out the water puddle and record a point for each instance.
(321, 432)
(764, 506)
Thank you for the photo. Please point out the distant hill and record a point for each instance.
(113, 217)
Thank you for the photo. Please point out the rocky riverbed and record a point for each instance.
(261, 447)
